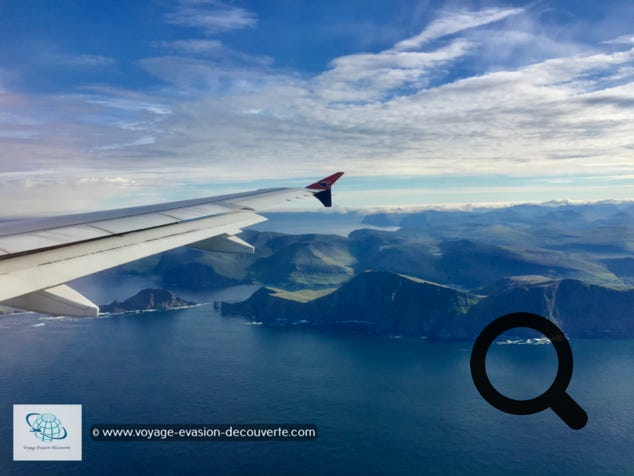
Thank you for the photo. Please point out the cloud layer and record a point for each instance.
(436, 103)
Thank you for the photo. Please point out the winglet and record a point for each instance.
(325, 183)
(323, 187)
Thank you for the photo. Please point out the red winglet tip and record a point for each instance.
(325, 183)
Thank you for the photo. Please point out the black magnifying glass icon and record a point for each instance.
(555, 397)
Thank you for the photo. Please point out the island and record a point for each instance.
(147, 300)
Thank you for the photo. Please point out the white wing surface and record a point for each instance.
(38, 256)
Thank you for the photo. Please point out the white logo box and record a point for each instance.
(47, 432)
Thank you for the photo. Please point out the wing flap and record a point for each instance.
(225, 244)
(57, 301)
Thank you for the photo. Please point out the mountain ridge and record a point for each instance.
(380, 302)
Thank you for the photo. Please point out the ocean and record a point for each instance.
(382, 405)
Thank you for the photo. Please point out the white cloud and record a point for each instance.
(67, 130)
(621, 40)
(209, 49)
(372, 76)
(146, 140)
(109, 180)
(209, 77)
(367, 76)
(455, 22)
(192, 46)
(43, 192)
(128, 104)
(211, 17)
(84, 60)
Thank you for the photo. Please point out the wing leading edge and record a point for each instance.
(37, 257)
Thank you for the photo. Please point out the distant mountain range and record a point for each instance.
(440, 273)
(388, 303)
(467, 250)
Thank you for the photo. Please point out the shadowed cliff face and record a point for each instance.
(379, 302)
(387, 303)
(581, 309)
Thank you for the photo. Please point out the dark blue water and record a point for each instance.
(381, 405)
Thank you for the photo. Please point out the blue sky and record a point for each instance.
(105, 104)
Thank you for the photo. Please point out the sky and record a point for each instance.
(109, 104)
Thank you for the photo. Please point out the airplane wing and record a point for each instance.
(38, 256)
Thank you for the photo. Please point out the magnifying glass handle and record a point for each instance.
(569, 411)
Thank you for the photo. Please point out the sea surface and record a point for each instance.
(382, 405)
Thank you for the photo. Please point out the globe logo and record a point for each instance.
(46, 427)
